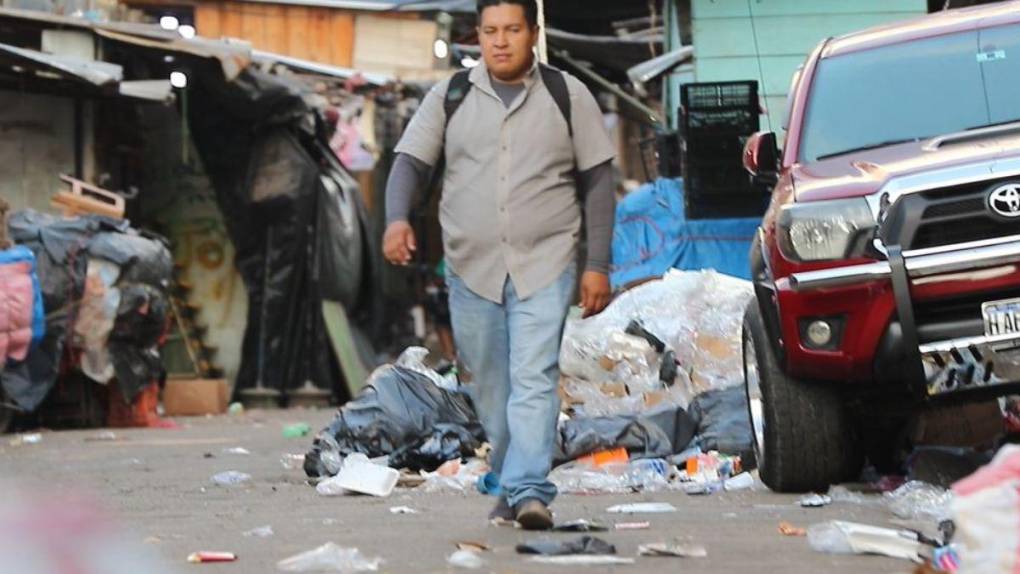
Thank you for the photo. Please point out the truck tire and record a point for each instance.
(804, 439)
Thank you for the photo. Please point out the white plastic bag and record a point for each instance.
(986, 510)
(330, 558)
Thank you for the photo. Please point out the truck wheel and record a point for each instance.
(804, 439)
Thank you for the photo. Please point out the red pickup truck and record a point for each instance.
(887, 268)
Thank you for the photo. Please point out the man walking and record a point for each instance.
(524, 147)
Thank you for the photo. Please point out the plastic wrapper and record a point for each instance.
(838, 537)
(413, 358)
(647, 475)
(231, 478)
(464, 480)
(398, 409)
(330, 558)
(697, 315)
(466, 559)
(920, 500)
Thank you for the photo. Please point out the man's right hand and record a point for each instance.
(399, 244)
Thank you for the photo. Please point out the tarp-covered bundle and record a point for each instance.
(652, 235)
(104, 287)
(296, 220)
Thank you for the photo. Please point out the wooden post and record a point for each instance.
(543, 52)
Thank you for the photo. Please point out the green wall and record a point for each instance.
(766, 40)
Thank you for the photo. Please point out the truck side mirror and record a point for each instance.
(761, 157)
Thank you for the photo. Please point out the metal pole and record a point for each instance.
(543, 52)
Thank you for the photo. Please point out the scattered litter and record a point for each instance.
(236, 450)
(34, 438)
(403, 510)
(840, 493)
(815, 500)
(260, 532)
(359, 475)
(838, 537)
(742, 481)
(581, 560)
(410, 480)
(465, 479)
(208, 455)
(473, 546)
(204, 556)
(606, 457)
(330, 522)
(152, 540)
(489, 484)
(235, 409)
(920, 500)
(787, 529)
(944, 466)
(292, 461)
(503, 523)
(946, 559)
(231, 478)
(580, 525)
(672, 550)
(582, 545)
(104, 436)
(466, 559)
(633, 525)
(330, 557)
(642, 508)
(296, 430)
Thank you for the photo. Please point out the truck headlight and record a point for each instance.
(825, 230)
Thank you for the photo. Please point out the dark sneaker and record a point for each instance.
(502, 510)
(534, 515)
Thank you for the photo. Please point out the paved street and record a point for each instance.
(158, 483)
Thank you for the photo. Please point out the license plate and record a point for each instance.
(1001, 317)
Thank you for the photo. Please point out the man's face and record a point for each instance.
(507, 41)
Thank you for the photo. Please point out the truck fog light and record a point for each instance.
(819, 333)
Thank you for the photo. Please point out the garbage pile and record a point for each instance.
(660, 408)
(104, 287)
(664, 342)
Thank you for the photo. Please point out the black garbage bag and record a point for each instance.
(723, 423)
(582, 545)
(447, 442)
(656, 433)
(399, 408)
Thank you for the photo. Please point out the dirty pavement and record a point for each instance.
(159, 483)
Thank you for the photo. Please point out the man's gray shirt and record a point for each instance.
(510, 200)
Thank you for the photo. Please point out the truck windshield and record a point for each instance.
(913, 91)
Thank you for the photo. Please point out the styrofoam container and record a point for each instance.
(360, 475)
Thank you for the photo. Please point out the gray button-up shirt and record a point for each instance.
(510, 203)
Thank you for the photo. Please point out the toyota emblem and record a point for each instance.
(1005, 200)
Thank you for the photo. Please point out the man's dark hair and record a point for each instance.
(530, 8)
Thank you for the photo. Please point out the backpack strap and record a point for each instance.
(460, 85)
(556, 83)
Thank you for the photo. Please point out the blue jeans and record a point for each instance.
(512, 352)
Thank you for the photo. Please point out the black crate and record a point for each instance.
(719, 108)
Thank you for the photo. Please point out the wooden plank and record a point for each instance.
(275, 36)
(231, 18)
(299, 45)
(341, 32)
(318, 32)
(253, 24)
(207, 19)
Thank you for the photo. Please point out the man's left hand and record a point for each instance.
(595, 292)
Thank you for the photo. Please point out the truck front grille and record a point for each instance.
(946, 216)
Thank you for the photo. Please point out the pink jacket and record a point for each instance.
(16, 297)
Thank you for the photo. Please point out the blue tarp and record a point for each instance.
(652, 235)
(19, 254)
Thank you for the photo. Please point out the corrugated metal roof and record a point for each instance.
(91, 71)
(317, 68)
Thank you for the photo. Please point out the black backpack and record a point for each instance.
(460, 85)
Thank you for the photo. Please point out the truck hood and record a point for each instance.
(864, 173)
